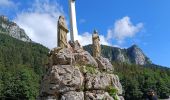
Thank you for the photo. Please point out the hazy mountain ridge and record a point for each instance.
(130, 55)
(12, 29)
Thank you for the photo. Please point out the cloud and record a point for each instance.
(123, 28)
(40, 22)
(6, 3)
(86, 38)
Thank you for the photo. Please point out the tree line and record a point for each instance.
(21, 68)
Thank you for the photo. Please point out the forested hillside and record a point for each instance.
(137, 80)
(22, 65)
(21, 68)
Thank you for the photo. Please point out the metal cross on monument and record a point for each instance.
(73, 23)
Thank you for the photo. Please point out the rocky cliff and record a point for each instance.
(132, 54)
(73, 74)
(12, 29)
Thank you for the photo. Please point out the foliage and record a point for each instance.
(137, 80)
(21, 83)
(112, 92)
(91, 69)
(21, 67)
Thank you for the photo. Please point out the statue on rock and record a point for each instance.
(62, 32)
(72, 73)
(103, 63)
(96, 44)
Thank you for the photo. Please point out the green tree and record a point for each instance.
(21, 67)
(23, 83)
(137, 80)
(163, 90)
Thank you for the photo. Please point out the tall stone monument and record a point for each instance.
(73, 23)
(73, 74)
(62, 32)
(96, 44)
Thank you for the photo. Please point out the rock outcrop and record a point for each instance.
(131, 55)
(137, 56)
(12, 29)
(73, 74)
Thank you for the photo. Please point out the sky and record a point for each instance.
(120, 23)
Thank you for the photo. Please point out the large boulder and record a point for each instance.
(63, 57)
(48, 97)
(81, 56)
(97, 81)
(84, 58)
(76, 47)
(67, 56)
(72, 95)
(102, 81)
(60, 79)
(104, 64)
(97, 95)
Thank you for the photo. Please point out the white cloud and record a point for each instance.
(40, 22)
(123, 28)
(6, 3)
(86, 38)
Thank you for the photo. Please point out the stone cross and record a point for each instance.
(73, 23)
(96, 44)
(62, 32)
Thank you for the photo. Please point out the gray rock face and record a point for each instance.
(120, 56)
(137, 55)
(12, 29)
(102, 81)
(77, 47)
(60, 79)
(97, 82)
(72, 75)
(116, 83)
(73, 96)
(85, 58)
(132, 55)
(63, 57)
(97, 95)
(104, 64)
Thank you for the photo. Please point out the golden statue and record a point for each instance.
(62, 32)
(96, 44)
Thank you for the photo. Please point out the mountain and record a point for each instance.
(136, 72)
(131, 55)
(12, 29)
